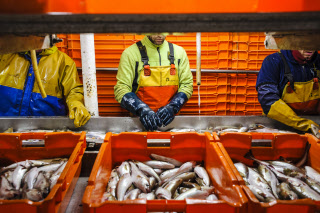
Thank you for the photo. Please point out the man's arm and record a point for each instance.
(185, 76)
(270, 98)
(73, 92)
(125, 76)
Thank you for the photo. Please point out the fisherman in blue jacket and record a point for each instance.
(288, 86)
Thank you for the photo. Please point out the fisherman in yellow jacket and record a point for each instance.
(154, 80)
(20, 95)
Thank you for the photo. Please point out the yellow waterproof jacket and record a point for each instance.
(158, 56)
(20, 94)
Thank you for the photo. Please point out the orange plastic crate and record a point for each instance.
(183, 147)
(246, 65)
(248, 37)
(64, 144)
(248, 90)
(288, 145)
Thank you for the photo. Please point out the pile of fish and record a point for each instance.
(160, 178)
(274, 180)
(30, 179)
(250, 128)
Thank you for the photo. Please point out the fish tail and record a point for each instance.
(249, 155)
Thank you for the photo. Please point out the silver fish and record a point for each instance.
(147, 169)
(17, 175)
(31, 177)
(243, 129)
(255, 179)
(220, 128)
(149, 196)
(208, 189)
(270, 177)
(132, 195)
(312, 173)
(173, 185)
(139, 179)
(123, 185)
(202, 173)
(261, 194)
(158, 171)
(124, 168)
(25, 164)
(200, 182)
(107, 197)
(32, 194)
(51, 167)
(286, 192)
(112, 184)
(176, 194)
(162, 193)
(55, 176)
(229, 130)
(285, 165)
(6, 190)
(193, 193)
(313, 184)
(243, 170)
(159, 164)
(187, 176)
(186, 167)
(298, 186)
(42, 184)
(190, 185)
(168, 173)
(212, 197)
(165, 159)
(183, 189)
(152, 182)
(8, 175)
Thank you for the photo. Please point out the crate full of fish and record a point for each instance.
(274, 169)
(164, 172)
(38, 171)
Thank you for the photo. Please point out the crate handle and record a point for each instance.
(33, 143)
(261, 142)
(158, 142)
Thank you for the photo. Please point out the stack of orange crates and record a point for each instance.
(220, 93)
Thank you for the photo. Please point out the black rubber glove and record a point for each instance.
(167, 113)
(136, 106)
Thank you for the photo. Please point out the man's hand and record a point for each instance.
(149, 119)
(136, 106)
(166, 114)
(80, 115)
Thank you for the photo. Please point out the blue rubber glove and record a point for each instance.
(136, 106)
(167, 113)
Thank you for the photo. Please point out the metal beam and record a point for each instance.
(122, 124)
(141, 23)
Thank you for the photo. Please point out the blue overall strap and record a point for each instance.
(287, 72)
(171, 55)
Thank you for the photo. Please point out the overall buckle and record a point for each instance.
(315, 84)
(289, 89)
(173, 69)
(147, 71)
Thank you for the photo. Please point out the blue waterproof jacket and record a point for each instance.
(20, 95)
(271, 80)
